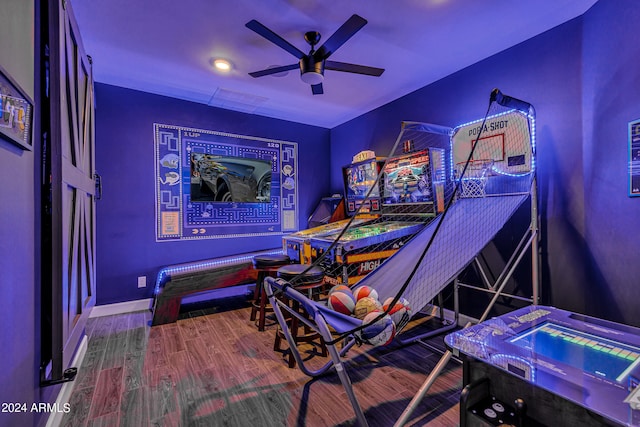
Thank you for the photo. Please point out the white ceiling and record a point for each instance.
(166, 47)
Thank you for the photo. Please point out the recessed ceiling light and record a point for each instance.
(222, 65)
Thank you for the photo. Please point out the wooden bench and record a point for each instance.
(174, 282)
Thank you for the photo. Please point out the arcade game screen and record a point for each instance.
(599, 356)
(359, 178)
(407, 179)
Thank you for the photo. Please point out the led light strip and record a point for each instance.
(205, 265)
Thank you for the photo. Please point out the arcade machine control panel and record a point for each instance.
(565, 369)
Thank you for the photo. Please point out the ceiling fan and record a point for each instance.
(313, 64)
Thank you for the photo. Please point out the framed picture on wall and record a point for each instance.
(634, 158)
(16, 111)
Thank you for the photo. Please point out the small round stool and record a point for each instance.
(312, 281)
(267, 265)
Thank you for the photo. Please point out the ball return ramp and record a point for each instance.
(485, 194)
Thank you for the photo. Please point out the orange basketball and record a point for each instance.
(400, 312)
(337, 288)
(342, 302)
(364, 291)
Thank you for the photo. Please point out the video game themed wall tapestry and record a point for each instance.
(216, 185)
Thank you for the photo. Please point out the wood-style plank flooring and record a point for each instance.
(213, 368)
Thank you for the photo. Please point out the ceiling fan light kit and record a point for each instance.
(313, 64)
(311, 72)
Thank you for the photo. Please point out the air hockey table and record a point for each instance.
(541, 365)
(358, 251)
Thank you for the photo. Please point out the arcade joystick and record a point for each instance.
(521, 410)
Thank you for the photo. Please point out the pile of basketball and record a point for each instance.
(362, 302)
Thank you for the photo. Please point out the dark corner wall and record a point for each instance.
(611, 99)
(125, 216)
(583, 79)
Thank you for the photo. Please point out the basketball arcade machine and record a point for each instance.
(488, 195)
(495, 156)
(501, 167)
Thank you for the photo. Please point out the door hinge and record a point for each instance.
(98, 180)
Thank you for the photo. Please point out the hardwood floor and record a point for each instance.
(213, 368)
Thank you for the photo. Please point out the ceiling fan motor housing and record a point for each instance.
(311, 71)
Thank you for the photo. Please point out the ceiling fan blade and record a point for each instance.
(274, 38)
(274, 70)
(353, 68)
(342, 34)
(317, 89)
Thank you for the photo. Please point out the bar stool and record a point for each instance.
(311, 283)
(267, 265)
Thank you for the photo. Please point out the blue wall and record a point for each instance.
(611, 99)
(126, 246)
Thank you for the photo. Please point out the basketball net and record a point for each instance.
(475, 180)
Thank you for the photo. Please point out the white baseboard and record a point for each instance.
(55, 418)
(121, 307)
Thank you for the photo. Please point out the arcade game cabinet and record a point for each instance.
(410, 190)
(365, 174)
(541, 365)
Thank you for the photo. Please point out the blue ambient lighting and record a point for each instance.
(165, 274)
(532, 130)
(516, 365)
